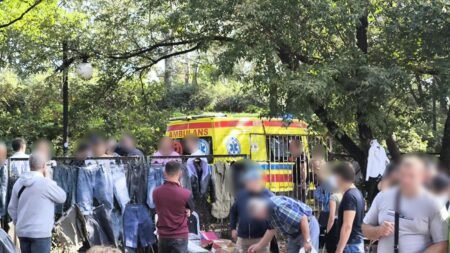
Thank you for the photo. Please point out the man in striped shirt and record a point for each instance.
(290, 217)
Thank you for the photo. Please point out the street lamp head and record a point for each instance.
(85, 70)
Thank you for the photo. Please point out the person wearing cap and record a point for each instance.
(245, 229)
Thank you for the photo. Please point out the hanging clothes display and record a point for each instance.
(200, 175)
(185, 180)
(377, 160)
(119, 182)
(222, 178)
(136, 177)
(138, 228)
(99, 228)
(66, 178)
(155, 179)
(6, 244)
(201, 185)
(70, 229)
(376, 165)
(94, 183)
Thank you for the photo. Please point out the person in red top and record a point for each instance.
(173, 205)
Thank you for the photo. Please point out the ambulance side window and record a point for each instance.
(278, 147)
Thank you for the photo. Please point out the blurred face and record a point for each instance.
(127, 142)
(111, 146)
(99, 149)
(44, 148)
(165, 146)
(294, 149)
(340, 182)
(81, 155)
(192, 145)
(254, 185)
(411, 175)
(3, 153)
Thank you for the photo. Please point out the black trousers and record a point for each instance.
(166, 245)
(332, 238)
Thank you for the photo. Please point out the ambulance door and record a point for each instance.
(258, 149)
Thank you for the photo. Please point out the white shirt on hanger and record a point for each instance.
(377, 160)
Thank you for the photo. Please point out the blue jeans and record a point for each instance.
(155, 179)
(99, 228)
(3, 189)
(295, 244)
(94, 181)
(66, 178)
(35, 245)
(120, 186)
(166, 245)
(354, 248)
(138, 228)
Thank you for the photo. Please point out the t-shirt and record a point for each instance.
(171, 201)
(423, 221)
(352, 200)
(336, 197)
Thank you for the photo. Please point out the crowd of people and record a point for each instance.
(408, 215)
(412, 189)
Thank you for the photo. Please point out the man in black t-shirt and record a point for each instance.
(350, 212)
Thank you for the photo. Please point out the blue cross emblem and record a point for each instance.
(233, 146)
(204, 146)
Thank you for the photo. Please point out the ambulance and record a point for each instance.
(266, 141)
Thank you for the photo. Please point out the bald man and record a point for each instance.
(423, 220)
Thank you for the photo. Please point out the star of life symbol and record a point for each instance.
(204, 146)
(233, 146)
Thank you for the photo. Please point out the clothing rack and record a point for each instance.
(144, 159)
(136, 157)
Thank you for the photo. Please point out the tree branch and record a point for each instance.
(36, 3)
(165, 43)
(168, 56)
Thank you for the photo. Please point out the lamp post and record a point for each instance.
(85, 71)
(65, 91)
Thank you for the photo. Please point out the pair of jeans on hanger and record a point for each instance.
(66, 178)
(138, 228)
(155, 179)
(95, 182)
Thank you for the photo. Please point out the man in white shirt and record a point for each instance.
(32, 206)
(19, 146)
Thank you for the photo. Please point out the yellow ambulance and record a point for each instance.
(266, 141)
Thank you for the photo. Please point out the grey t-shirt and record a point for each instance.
(336, 197)
(423, 221)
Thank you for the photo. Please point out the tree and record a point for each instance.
(352, 63)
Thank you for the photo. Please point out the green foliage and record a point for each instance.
(266, 56)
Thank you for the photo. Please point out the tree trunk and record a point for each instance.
(364, 132)
(168, 72)
(187, 72)
(394, 151)
(361, 34)
(354, 150)
(445, 150)
(195, 74)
